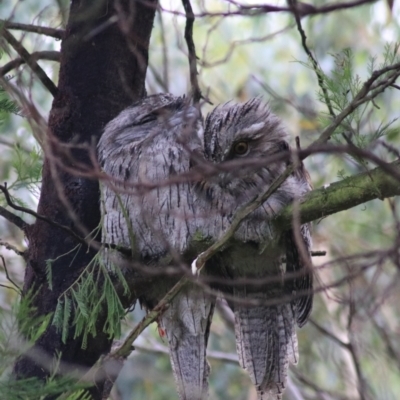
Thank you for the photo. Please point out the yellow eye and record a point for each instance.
(241, 148)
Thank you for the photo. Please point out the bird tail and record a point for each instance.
(266, 343)
(187, 324)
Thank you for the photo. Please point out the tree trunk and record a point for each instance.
(103, 67)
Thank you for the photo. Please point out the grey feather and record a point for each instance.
(156, 139)
(266, 338)
(149, 143)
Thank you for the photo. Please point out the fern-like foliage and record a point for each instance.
(340, 87)
(20, 327)
(28, 167)
(7, 106)
(93, 296)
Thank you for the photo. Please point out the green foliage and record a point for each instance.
(342, 85)
(77, 395)
(28, 167)
(34, 389)
(339, 89)
(22, 319)
(19, 329)
(31, 326)
(93, 296)
(7, 106)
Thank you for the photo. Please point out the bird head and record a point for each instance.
(247, 133)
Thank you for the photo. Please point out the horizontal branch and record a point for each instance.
(10, 247)
(157, 348)
(23, 225)
(302, 8)
(342, 195)
(37, 55)
(41, 30)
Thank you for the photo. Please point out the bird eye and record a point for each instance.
(241, 148)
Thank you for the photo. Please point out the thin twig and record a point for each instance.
(86, 241)
(390, 349)
(304, 9)
(329, 334)
(126, 347)
(41, 30)
(36, 215)
(9, 287)
(319, 390)
(14, 145)
(368, 92)
(214, 355)
(9, 246)
(294, 5)
(36, 68)
(14, 219)
(317, 253)
(37, 55)
(16, 287)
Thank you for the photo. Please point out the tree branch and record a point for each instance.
(36, 68)
(15, 286)
(41, 30)
(304, 9)
(342, 195)
(37, 55)
(9, 246)
(34, 214)
(196, 92)
(295, 7)
(370, 89)
(14, 219)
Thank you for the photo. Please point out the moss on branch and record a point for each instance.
(340, 196)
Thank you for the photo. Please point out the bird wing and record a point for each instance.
(298, 264)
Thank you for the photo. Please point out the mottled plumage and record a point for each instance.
(161, 137)
(147, 144)
(265, 333)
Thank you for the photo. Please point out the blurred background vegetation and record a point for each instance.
(242, 57)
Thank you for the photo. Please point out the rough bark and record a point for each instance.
(102, 72)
